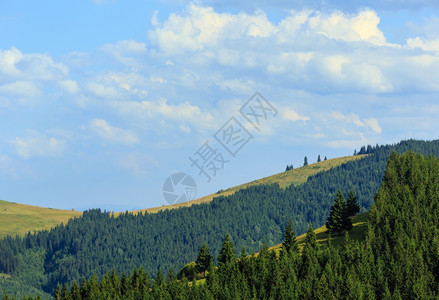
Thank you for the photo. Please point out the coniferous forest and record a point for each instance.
(136, 256)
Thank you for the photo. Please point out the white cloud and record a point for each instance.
(202, 28)
(351, 118)
(373, 124)
(113, 134)
(182, 114)
(127, 52)
(424, 44)
(362, 27)
(102, 90)
(323, 52)
(38, 145)
(14, 65)
(292, 115)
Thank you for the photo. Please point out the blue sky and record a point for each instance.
(100, 101)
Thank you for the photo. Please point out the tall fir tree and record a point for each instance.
(305, 161)
(203, 260)
(227, 252)
(338, 219)
(319, 159)
(290, 244)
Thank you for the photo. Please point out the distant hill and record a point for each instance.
(296, 177)
(19, 219)
(99, 242)
(394, 256)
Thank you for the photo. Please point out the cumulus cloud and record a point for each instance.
(38, 145)
(323, 52)
(14, 65)
(202, 28)
(113, 134)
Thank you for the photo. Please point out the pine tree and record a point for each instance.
(227, 266)
(318, 158)
(227, 253)
(305, 161)
(290, 244)
(352, 206)
(326, 158)
(310, 238)
(203, 259)
(338, 219)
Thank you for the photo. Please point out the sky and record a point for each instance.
(102, 100)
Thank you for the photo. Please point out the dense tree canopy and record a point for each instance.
(98, 243)
(398, 259)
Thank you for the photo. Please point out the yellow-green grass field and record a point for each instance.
(18, 219)
(358, 232)
(296, 176)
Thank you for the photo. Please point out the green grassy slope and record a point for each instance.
(358, 232)
(18, 219)
(296, 176)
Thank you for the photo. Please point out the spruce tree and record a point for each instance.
(227, 253)
(290, 244)
(338, 219)
(310, 238)
(203, 259)
(319, 159)
(305, 161)
(352, 206)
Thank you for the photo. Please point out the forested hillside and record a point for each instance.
(398, 258)
(99, 242)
